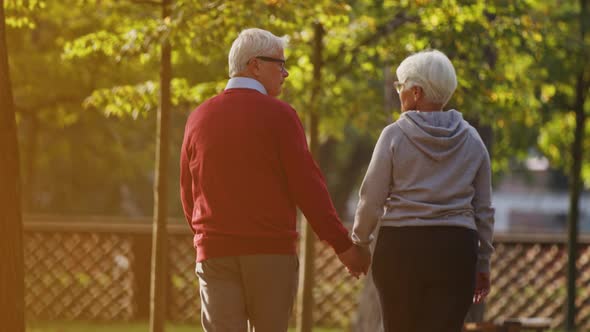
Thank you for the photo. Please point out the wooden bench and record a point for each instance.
(534, 324)
(481, 327)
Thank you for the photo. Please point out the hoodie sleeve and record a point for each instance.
(484, 213)
(374, 190)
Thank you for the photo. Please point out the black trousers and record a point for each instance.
(425, 277)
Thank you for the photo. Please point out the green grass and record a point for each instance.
(79, 326)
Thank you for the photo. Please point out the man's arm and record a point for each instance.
(307, 185)
(186, 180)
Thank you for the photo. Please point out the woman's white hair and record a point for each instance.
(432, 71)
(251, 43)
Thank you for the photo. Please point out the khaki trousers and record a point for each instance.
(247, 293)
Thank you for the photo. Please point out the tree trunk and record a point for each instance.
(160, 234)
(30, 146)
(306, 275)
(576, 180)
(12, 303)
(574, 208)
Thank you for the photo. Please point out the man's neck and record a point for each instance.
(246, 75)
(245, 82)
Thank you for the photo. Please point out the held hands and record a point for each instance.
(482, 287)
(357, 260)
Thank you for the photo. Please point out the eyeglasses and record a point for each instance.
(398, 86)
(269, 59)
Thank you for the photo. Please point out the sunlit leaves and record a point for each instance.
(19, 12)
(124, 100)
(23, 4)
(140, 39)
(513, 58)
(563, 56)
(547, 92)
(19, 22)
(137, 100)
(556, 139)
(101, 41)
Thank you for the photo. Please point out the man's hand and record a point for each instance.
(357, 260)
(482, 287)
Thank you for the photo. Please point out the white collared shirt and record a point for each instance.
(245, 83)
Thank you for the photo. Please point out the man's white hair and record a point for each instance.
(432, 71)
(251, 43)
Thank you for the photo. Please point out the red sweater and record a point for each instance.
(244, 168)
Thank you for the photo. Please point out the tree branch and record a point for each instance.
(147, 2)
(66, 99)
(22, 110)
(382, 31)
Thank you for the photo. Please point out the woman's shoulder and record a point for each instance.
(391, 130)
(474, 133)
(392, 134)
(478, 141)
(392, 127)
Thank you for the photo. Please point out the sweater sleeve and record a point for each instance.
(374, 191)
(484, 213)
(307, 186)
(186, 179)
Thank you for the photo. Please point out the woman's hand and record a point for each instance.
(357, 260)
(482, 287)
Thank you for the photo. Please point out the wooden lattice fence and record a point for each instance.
(529, 279)
(98, 269)
(78, 275)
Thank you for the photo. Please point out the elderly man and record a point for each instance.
(245, 167)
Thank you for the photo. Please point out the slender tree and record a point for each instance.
(12, 316)
(576, 174)
(306, 276)
(160, 234)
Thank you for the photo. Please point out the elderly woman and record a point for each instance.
(429, 186)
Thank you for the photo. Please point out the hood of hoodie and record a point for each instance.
(437, 134)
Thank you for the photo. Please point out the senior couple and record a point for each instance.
(245, 167)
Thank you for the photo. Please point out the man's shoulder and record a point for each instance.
(272, 104)
(283, 107)
(248, 100)
(271, 101)
(205, 103)
(254, 95)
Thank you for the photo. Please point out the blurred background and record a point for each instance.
(86, 78)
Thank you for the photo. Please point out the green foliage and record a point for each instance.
(564, 58)
(139, 99)
(18, 12)
(556, 139)
(67, 151)
(75, 61)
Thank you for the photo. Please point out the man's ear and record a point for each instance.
(253, 67)
(417, 92)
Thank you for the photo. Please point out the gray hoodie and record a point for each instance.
(428, 169)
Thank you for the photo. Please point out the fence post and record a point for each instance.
(142, 248)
